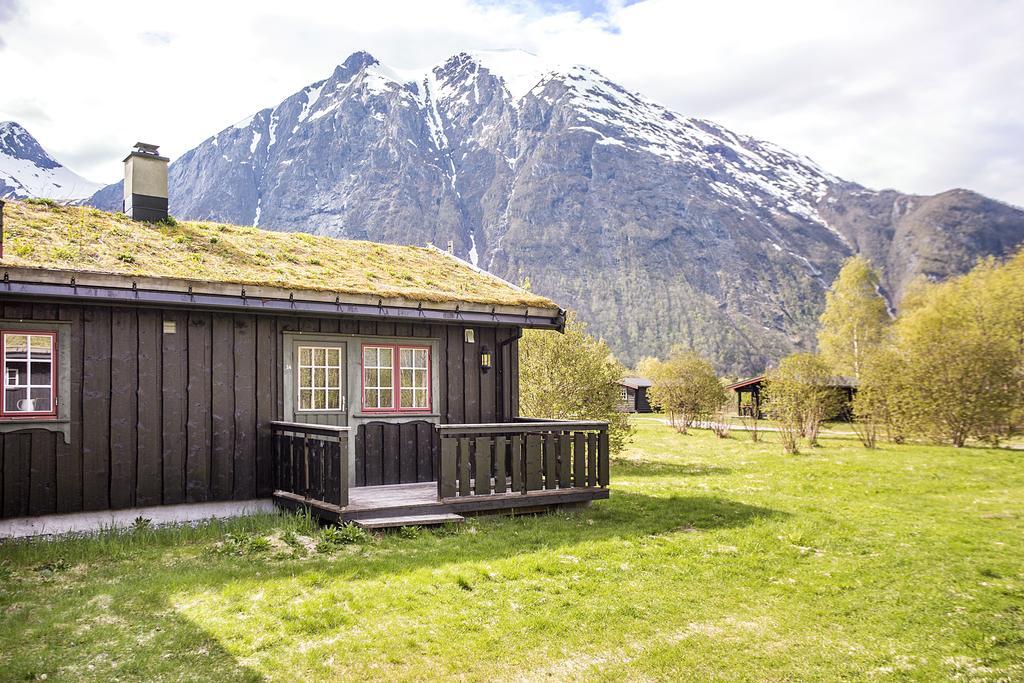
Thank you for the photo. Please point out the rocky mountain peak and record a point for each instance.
(18, 143)
(656, 227)
(28, 170)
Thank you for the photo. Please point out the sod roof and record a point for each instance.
(40, 235)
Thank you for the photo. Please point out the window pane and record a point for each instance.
(419, 379)
(12, 397)
(305, 377)
(419, 398)
(319, 377)
(40, 399)
(41, 347)
(386, 398)
(333, 399)
(305, 399)
(16, 373)
(333, 377)
(334, 357)
(305, 355)
(320, 356)
(319, 399)
(385, 378)
(16, 346)
(420, 358)
(406, 358)
(386, 358)
(406, 378)
(406, 396)
(369, 357)
(370, 398)
(41, 374)
(370, 377)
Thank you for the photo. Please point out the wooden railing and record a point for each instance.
(522, 456)
(311, 461)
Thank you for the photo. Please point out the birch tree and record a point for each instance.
(856, 320)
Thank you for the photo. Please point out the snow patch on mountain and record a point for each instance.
(519, 70)
(28, 170)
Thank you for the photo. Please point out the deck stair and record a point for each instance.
(392, 521)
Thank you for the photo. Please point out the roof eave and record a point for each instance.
(110, 288)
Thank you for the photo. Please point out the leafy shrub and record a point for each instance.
(53, 567)
(409, 531)
(125, 257)
(244, 544)
(41, 201)
(334, 536)
(170, 220)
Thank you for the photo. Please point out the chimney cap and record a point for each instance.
(147, 148)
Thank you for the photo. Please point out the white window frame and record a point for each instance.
(27, 384)
(314, 386)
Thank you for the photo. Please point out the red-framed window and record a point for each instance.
(29, 373)
(396, 378)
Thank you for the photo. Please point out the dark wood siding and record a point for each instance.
(395, 452)
(166, 418)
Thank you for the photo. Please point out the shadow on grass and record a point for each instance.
(137, 637)
(625, 516)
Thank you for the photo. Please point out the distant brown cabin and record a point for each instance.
(633, 395)
(749, 399)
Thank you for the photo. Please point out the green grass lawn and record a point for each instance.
(713, 559)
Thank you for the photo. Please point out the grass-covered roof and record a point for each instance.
(40, 235)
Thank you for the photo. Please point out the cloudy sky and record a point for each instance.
(917, 95)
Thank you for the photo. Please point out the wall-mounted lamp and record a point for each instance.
(485, 358)
(470, 335)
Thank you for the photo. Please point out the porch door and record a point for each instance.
(320, 383)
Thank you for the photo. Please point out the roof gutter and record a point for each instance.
(134, 295)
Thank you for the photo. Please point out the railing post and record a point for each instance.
(343, 469)
(446, 475)
(602, 458)
(305, 465)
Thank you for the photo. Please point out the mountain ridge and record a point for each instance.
(657, 228)
(28, 170)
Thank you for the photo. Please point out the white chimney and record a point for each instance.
(145, 183)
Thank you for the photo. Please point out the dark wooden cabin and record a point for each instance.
(372, 383)
(749, 396)
(633, 395)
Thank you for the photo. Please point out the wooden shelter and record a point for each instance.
(633, 395)
(173, 363)
(749, 395)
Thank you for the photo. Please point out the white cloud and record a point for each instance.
(918, 95)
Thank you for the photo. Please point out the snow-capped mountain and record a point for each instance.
(657, 228)
(28, 170)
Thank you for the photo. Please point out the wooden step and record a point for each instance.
(391, 522)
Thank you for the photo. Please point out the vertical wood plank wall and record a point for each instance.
(173, 418)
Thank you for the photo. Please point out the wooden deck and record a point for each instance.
(406, 500)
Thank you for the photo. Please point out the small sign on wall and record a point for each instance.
(170, 327)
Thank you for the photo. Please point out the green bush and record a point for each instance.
(334, 536)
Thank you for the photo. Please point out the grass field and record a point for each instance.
(713, 559)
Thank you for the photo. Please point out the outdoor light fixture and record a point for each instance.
(470, 335)
(485, 358)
